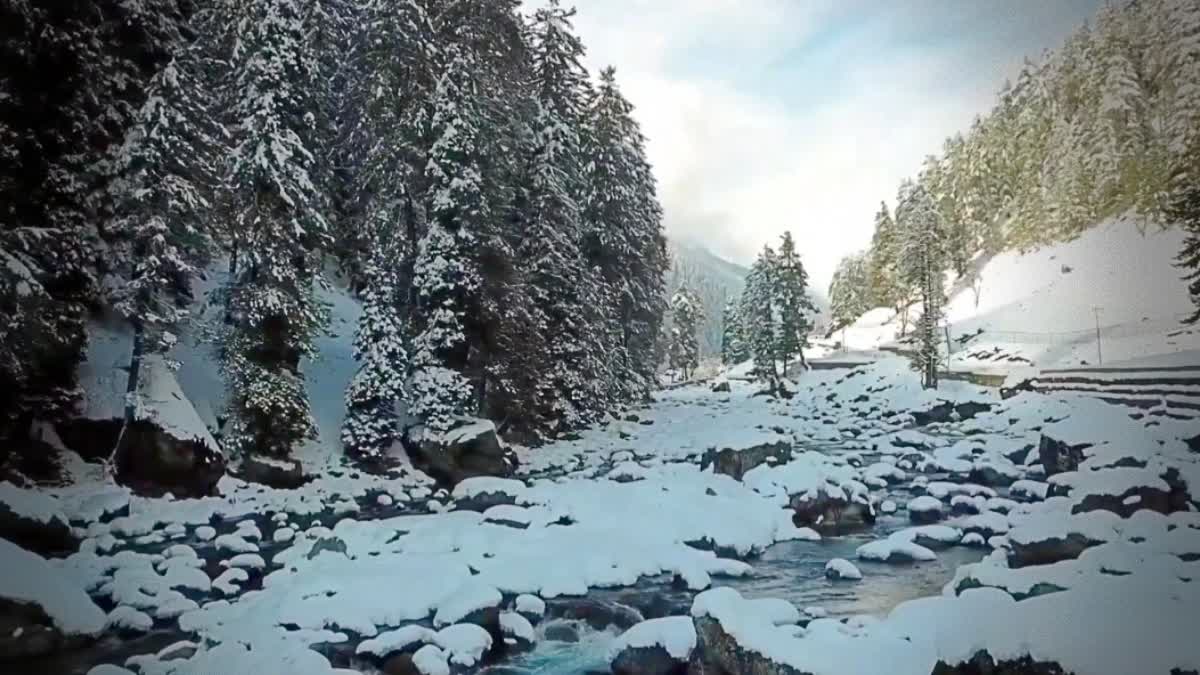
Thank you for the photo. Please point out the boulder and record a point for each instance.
(597, 614)
(831, 515)
(1048, 551)
(150, 459)
(281, 474)
(652, 660)
(561, 631)
(1060, 456)
(400, 664)
(32, 521)
(736, 463)
(718, 652)
(26, 632)
(721, 386)
(470, 449)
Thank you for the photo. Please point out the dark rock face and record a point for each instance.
(717, 653)
(400, 664)
(282, 474)
(983, 664)
(647, 661)
(830, 515)
(1059, 456)
(1048, 551)
(466, 454)
(153, 462)
(736, 463)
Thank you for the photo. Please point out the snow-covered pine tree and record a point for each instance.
(569, 299)
(795, 308)
(623, 230)
(733, 342)
(378, 387)
(884, 257)
(446, 279)
(162, 229)
(759, 318)
(922, 264)
(278, 226)
(1184, 209)
(849, 292)
(686, 316)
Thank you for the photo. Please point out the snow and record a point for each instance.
(31, 505)
(924, 504)
(395, 640)
(840, 568)
(1031, 308)
(29, 578)
(514, 625)
(894, 550)
(529, 604)
(471, 596)
(675, 634)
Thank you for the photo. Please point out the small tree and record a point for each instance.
(733, 342)
(790, 291)
(759, 322)
(922, 264)
(687, 315)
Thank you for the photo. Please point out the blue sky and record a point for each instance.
(766, 115)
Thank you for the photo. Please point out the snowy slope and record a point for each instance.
(1038, 308)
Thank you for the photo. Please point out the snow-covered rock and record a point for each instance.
(840, 568)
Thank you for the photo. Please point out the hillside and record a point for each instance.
(714, 279)
(1040, 308)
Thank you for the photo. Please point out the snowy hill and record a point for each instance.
(1042, 308)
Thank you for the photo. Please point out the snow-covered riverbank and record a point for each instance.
(361, 573)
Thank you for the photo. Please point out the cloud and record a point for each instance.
(776, 114)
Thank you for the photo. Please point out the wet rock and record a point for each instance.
(597, 614)
(281, 474)
(831, 515)
(560, 631)
(1048, 551)
(654, 605)
(925, 510)
(720, 386)
(647, 661)
(400, 664)
(736, 463)
(468, 450)
(1060, 456)
(718, 652)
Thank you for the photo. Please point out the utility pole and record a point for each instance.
(1099, 351)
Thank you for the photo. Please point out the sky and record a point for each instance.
(768, 115)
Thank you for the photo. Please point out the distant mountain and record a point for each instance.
(714, 279)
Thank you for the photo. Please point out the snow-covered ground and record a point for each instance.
(1042, 307)
(350, 568)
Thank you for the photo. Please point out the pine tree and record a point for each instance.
(623, 229)
(759, 319)
(378, 387)
(686, 316)
(162, 229)
(446, 278)
(795, 308)
(278, 227)
(849, 292)
(733, 343)
(922, 261)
